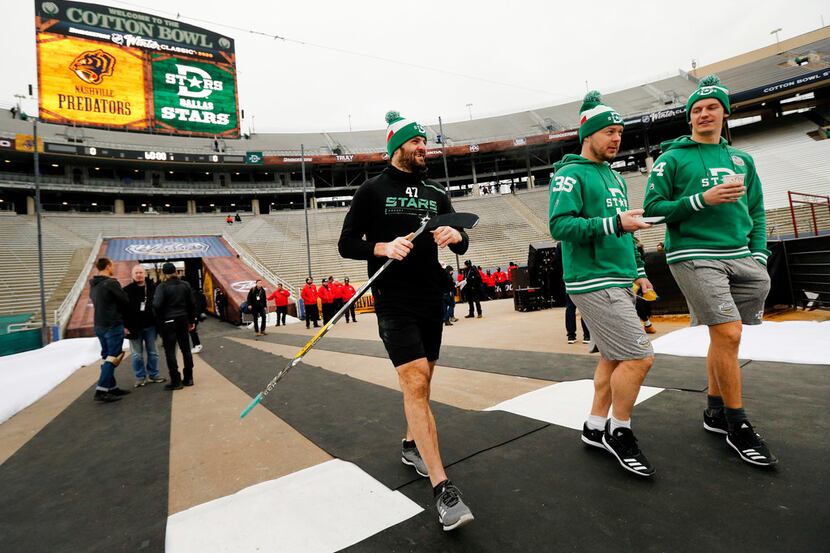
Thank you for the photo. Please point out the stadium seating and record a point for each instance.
(64, 254)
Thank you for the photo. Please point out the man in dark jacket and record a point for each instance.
(220, 302)
(141, 327)
(258, 300)
(110, 302)
(473, 288)
(176, 315)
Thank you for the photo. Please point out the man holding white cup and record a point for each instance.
(711, 198)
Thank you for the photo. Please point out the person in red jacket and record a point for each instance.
(326, 295)
(336, 294)
(280, 297)
(309, 296)
(490, 285)
(347, 292)
(501, 279)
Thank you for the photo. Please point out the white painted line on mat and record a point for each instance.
(566, 403)
(322, 509)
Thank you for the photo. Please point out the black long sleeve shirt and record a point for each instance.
(385, 207)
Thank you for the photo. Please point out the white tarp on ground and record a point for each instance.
(566, 403)
(26, 377)
(321, 509)
(787, 342)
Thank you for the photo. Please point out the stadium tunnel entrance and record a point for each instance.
(207, 263)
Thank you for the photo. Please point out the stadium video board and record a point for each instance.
(109, 67)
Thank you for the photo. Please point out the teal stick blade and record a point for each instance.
(251, 405)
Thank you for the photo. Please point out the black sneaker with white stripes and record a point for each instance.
(592, 437)
(623, 445)
(715, 421)
(750, 446)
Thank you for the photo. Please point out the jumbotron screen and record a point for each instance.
(109, 67)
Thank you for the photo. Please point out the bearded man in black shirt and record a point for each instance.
(408, 295)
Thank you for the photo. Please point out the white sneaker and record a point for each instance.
(196, 349)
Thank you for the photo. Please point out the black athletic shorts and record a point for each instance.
(409, 336)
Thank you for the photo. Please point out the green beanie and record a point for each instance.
(708, 87)
(594, 115)
(399, 130)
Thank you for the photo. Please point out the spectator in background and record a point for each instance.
(570, 322)
(309, 296)
(280, 297)
(347, 293)
(258, 302)
(200, 302)
(326, 299)
(643, 307)
(110, 302)
(220, 303)
(490, 285)
(176, 315)
(336, 294)
(140, 322)
(237, 218)
(229, 219)
(500, 278)
(472, 286)
(449, 297)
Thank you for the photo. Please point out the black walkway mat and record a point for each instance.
(669, 371)
(547, 492)
(94, 479)
(354, 420)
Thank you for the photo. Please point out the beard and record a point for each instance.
(602, 154)
(411, 162)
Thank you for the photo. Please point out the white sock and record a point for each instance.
(617, 423)
(595, 422)
(647, 324)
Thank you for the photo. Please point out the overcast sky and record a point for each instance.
(542, 52)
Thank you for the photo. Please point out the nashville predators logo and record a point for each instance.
(92, 67)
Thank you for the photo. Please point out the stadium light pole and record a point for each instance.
(44, 334)
(305, 209)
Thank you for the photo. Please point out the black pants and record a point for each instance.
(311, 315)
(175, 332)
(643, 309)
(473, 300)
(328, 312)
(350, 311)
(259, 314)
(338, 304)
(220, 311)
(282, 311)
(570, 321)
(194, 335)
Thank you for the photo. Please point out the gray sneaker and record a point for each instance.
(156, 379)
(452, 512)
(140, 383)
(411, 457)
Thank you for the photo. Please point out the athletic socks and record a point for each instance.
(617, 423)
(409, 444)
(595, 422)
(734, 417)
(439, 489)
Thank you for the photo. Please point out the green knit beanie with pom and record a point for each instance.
(594, 115)
(708, 87)
(399, 130)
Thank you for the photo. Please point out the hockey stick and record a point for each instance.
(456, 220)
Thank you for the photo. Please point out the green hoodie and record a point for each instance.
(695, 230)
(585, 198)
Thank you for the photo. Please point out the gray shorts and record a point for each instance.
(720, 291)
(615, 328)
